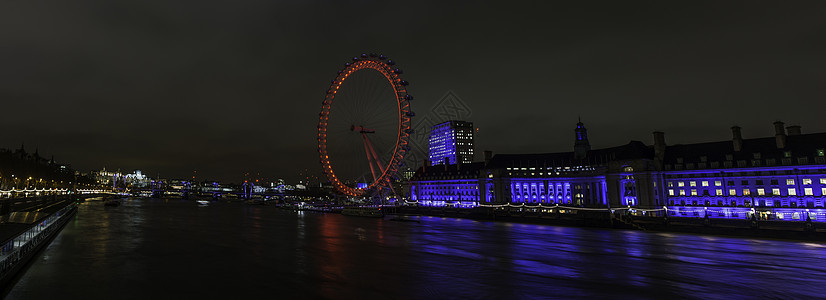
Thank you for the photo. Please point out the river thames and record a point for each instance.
(170, 248)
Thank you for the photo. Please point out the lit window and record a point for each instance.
(746, 192)
(719, 192)
(671, 192)
(693, 183)
(822, 180)
(823, 191)
(671, 184)
(787, 154)
(693, 192)
(680, 183)
(821, 152)
(807, 181)
(705, 183)
(792, 192)
(718, 183)
(732, 192)
(776, 192)
(682, 192)
(808, 192)
(789, 181)
(761, 192)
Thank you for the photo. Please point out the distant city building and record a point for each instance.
(136, 179)
(408, 173)
(451, 142)
(781, 177)
(104, 177)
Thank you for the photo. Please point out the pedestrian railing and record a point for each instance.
(16, 248)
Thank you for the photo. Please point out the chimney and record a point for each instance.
(793, 130)
(659, 145)
(488, 156)
(779, 135)
(737, 138)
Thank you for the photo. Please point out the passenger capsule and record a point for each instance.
(391, 62)
(398, 71)
(408, 97)
(404, 82)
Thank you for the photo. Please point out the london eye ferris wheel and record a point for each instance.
(364, 125)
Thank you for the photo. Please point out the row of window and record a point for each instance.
(577, 168)
(449, 187)
(747, 192)
(804, 181)
(743, 163)
(787, 154)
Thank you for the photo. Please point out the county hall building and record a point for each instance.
(779, 177)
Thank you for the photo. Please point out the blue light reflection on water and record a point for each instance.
(156, 248)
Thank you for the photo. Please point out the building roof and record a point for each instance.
(455, 171)
(799, 146)
(632, 150)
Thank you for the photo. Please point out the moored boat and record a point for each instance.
(373, 212)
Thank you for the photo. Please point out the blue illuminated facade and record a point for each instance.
(781, 178)
(448, 185)
(451, 142)
(602, 178)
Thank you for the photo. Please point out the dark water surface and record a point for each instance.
(150, 249)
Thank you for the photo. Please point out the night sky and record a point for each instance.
(228, 87)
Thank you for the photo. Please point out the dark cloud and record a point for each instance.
(228, 87)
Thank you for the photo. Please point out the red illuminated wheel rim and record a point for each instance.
(364, 121)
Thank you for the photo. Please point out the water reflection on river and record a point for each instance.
(150, 248)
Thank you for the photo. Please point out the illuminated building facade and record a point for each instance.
(584, 178)
(457, 185)
(451, 142)
(613, 177)
(781, 177)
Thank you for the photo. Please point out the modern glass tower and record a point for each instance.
(451, 142)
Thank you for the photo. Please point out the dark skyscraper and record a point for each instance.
(451, 142)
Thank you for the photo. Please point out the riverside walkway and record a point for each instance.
(30, 224)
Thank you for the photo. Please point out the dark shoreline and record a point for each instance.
(764, 229)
